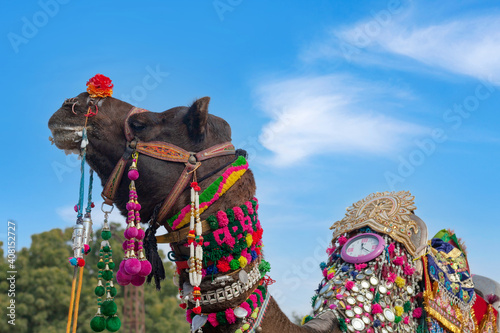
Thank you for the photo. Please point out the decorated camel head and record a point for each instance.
(189, 178)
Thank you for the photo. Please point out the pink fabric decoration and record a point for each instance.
(238, 213)
(360, 266)
(391, 277)
(342, 240)
(408, 270)
(231, 318)
(399, 261)
(188, 316)
(376, 308)
(391, 249)
(212, 319)
(406, 320)
(222, 218)
(417, 313)
(349, 285)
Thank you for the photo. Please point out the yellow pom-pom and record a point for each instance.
(243, 261)
(249, 240)
(400, 282)
(331, 271)
(399, 310)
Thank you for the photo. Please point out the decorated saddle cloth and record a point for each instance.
(449, 291)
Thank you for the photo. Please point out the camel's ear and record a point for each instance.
(197, 117)
(142, 124)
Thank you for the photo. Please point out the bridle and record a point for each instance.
(162, 151)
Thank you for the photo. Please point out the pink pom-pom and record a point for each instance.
(417, 313)
(246, 306)
(145, 268)
(122, 278)
(325, 272)
(376, 308)
(76, 208)
(399, 261)
(133, 174)
(330, 276)
(86, 248)
(359, 267)
(130, 206)
(222, 218)
(330, 250)
(140, 234)
(342, 240)
(138, 207)
(391, 249)
(391, 277)
(408, 270)
(212, 319)
(188, 316)
(349, 285)
(138, 280)
(332, 306)
(230, 317)
(406, 320)
(238, 214)
(132, 266)
(131, 232)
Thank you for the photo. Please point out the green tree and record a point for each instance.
(43, 287)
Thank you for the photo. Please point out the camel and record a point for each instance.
(194, 130)
(390, 285)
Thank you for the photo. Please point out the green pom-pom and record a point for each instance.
(407, 307)
(108, 308)
(106, 248)
(376, 299)
(106, 234)
(107, 275)
(99, 291)
(212, 221)
(221, 318)
(342, 325)
(111, 265)
(113, 324)
(397, 319)
(306, 319)
(98, 324)
(101, 265)
(313, 299)
(264, 268)
(234, 264)
(112, 291)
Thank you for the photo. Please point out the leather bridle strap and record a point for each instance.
(166, 152)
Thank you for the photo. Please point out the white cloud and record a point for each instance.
(330, 114)
(467, 46)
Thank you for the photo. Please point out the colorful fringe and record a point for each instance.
(213, 192)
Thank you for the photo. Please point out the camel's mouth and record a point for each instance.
(67, 138)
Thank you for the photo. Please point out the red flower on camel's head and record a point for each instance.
(100, 86)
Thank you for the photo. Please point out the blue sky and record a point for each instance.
(333, 101)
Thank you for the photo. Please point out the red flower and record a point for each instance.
(223, 265)
(100, 86)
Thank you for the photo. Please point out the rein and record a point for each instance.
(162, 151)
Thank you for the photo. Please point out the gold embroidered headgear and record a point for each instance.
(387, 213)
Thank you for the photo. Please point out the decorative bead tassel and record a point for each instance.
(195, 241)
(105, 265)
(135, 267)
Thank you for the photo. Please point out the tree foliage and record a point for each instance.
(43, 287)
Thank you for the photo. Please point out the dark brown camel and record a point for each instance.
(190, 128)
